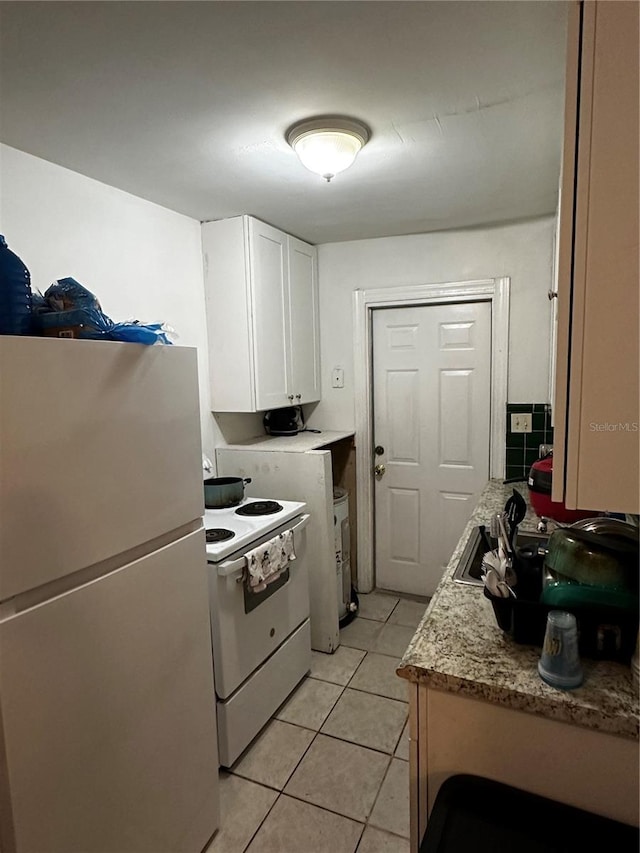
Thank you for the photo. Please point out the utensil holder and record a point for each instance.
(503, 610)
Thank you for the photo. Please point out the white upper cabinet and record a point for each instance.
(261, 292)
(596, 458)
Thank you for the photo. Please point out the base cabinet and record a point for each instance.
(453, 734)
(261, 292)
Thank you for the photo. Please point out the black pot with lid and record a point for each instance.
(223, 492)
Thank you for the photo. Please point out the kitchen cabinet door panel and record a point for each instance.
(596, 462)
(268, 272)
(228, 307)
(303, 313)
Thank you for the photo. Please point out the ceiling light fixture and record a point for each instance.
(328, 144)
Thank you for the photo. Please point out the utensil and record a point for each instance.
(491, 561)
(504, 536)
(494, 526)
(515, 509)
(222, 492)
(495, 585)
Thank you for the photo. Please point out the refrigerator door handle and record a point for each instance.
(230, 567)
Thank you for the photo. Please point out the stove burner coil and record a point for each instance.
(219, 534)
(259, 508)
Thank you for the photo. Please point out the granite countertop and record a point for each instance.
(458, 647)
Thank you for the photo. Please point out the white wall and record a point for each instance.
(143, 261)
(140, 260)
(522, 251)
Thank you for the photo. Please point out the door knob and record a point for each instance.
(298, 396)
(290, 396)
(379, 470)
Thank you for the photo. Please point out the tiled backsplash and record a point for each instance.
(523, 447)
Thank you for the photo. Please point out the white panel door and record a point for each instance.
(268, 258)
(431, 396)
(304, 377)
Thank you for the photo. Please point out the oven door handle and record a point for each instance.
(230, 567)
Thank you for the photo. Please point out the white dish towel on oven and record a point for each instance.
(266, 562)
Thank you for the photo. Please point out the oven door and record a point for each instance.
(246, 627)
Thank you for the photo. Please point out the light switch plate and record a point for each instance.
(521, 422)
(337, 377)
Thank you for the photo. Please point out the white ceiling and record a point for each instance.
(186, 104)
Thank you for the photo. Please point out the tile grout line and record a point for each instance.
(280, 791)
(363, 745)
(299, 799)
(394, 834)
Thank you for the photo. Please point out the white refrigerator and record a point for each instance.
(107, 713)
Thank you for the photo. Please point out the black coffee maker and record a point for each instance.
(287, 421)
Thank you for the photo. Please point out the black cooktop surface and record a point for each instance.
(219, 534)
(259, 508)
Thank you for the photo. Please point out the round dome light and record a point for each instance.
(328, 145)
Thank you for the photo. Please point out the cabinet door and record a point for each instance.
(227, 291)
(304, 349)
(108, 712)
(269, 272)
(105, 429)
(598, 288)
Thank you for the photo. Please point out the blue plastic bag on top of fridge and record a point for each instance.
(68, 309)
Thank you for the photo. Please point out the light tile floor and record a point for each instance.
(329, 773)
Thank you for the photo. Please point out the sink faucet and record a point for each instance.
(544, 521)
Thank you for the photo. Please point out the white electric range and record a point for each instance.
(261, 640)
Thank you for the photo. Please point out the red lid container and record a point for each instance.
(539, 482)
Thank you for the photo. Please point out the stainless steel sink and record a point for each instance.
(469, 568)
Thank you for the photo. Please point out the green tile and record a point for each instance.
(513, 471)
(515, 439)
(530, 457)
(538, 421)
(515, 457)
(513, 408)
(534, 439)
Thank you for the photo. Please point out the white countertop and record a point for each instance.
(299, 443)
